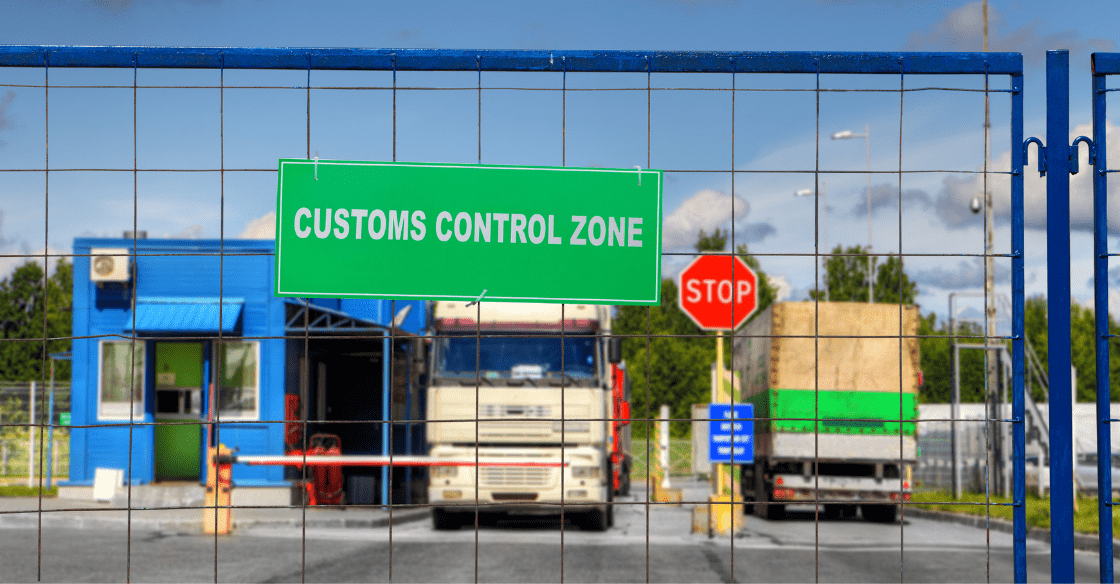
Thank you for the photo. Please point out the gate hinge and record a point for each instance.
(1073, 153)
(1041, 154)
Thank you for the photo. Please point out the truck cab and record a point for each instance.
(525, 383)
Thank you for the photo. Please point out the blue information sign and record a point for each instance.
(731, 433)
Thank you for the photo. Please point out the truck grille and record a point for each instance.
(513, 411)
(512, 476)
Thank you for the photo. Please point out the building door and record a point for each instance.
(179, 375)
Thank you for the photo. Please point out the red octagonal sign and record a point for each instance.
(718, 292)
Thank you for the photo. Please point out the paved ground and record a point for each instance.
(651, 542)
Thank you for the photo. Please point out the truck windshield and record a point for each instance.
(515, 358)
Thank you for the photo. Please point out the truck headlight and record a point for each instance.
(444, 472)
(585, 472)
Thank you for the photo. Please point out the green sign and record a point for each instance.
(64, 419)
(451, 231)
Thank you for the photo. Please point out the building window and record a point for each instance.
(122, 375)
(239, 395)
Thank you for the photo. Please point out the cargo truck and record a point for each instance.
(835, 393)
(522, 382)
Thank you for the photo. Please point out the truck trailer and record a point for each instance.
(530, 383)
(835, 393)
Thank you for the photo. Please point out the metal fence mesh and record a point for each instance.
(184, 147)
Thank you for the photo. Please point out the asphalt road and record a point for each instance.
(794, 550)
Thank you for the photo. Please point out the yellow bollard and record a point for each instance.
(219, 477)
(726, 514)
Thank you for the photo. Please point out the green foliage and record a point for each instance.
(936, 355)
(1085, 518)
(22, 306)
(846, 273)
(26, 491)
(1082, 346)
(714, 242)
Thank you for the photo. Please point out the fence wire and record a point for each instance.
(530, 107)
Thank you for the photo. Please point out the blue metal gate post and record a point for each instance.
(1100, 289)
(1018, 334)
(1058, 306)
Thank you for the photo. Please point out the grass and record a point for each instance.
(25, 491)
(1038, 509)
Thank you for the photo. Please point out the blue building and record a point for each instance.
(217, 358)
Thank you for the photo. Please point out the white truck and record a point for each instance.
(835, 393)
(521, 382)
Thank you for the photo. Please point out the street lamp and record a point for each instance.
(824, 223)
(866, 136)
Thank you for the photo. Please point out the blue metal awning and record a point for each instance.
(186, 315)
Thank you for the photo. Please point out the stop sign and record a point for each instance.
(718, 292)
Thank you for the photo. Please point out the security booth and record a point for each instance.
(180, 344)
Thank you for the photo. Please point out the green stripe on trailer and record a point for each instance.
(838, 411)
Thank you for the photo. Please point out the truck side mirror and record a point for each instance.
(614, 350)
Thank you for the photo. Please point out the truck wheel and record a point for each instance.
(880, 513)
(444, 520)
(775, 512)
(832, 511)
(593, 521)
(624, 479)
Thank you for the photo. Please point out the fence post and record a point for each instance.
(1058, 307)
(31, 441)
(1100, 288)
(663, 445)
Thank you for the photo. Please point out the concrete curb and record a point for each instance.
(1081, 541)
(87, 520)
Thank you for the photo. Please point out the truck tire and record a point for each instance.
(592, 520)
(764, 506)
(445, 520)
(880, 513)
(624, 480)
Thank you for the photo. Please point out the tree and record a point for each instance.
(22, 307)
(935, 349)
(845, 278)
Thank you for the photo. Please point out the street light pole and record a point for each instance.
(824, 223)
(866, 135)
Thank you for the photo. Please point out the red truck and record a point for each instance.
(620, 429)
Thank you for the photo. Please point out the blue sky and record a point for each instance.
(179, 128)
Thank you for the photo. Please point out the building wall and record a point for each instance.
(103, 311)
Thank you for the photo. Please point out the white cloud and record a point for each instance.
(967, 275)
(191, 232)
(784, 288)
(9, 264)
(263, 227)
(707, 209)
(962, 29)
(958, 190)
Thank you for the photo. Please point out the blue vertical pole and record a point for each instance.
(1058, 306)
(1018, 333)
(1100, 289)
(385, 396)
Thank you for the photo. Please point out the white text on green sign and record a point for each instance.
(442, 231)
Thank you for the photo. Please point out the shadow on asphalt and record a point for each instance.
(809, 515)
(523, 522)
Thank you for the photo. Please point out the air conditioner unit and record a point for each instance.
(109, 264)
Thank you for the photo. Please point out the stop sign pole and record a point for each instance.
(718, 292)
